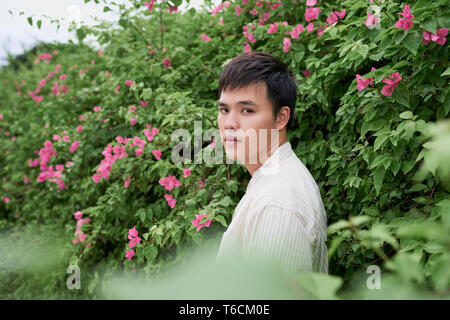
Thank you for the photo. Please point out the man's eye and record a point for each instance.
(249, 110)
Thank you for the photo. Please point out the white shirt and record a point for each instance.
(280, 218)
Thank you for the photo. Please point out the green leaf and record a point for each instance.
(378, 178)
(446, 72)
(30, 20)
(150, 252)
(406, 115)
(430, 24)
(412, 41)
(401, 95)
(106, 9)
(221, 219)
(39, 23)
(319, 286)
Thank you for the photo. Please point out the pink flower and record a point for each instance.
(129, 254)
(6, 199)
(311, 3)
(74, 146)
(213, 144)
(133, 121)
(238, 10)
(132, 233)
(201, 184)
(312, 13)
(362, 83)
(170, 200)
(306, 73)
(133, 242)
(391, 84)
(247, 48)
(341, 14)
(62, 77)
(310, 27)
(78, 215)
(127, 182)
(286, 44)
(96, 178)
(169, 182)
(97, 108)
(157, 154)
(166, 62)
(332, 18)
(198, 218)
(371, 19)
(66, 138)
(439, 37)
(205, 37)
(149, 8)
(56, 137)
(253, 12)
(144, 103)
(117, 89)
(99, 52)
(186, 172)
(69, 163)
(59, 167)
(406, 22)
(129, 83)
(273, 28)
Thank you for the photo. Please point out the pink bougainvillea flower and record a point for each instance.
(150, 5)
(6, 199)
(286, 44)
(97, 108)
(238, 10)
(198, 218)
(391, 83)
(96, 177)
(312, 13)
(311, 3)
(371, 19)
(213, 144)
(143, 103)
(129, 83)
(59, 167)
(157, 153)
(340, 14)
(99, 52)
(69, 163)
(62, 77)
(74, 146)
(201, 184)
(221, 21)
(186, 172)
(439, 37)
(170, 200)
(132, 233)
(127, 182)
(247, 48)
(117, 89)
(78, 215)
(129, 254)
(169, 182)
(253, 12)
(205, 37)
(310, 27)
(133, 121)
(79, 128)
(406, 22)
(273, 28)
(166, 62)
(306, 73)
(133, 242)
(66, 138)
(56, 137)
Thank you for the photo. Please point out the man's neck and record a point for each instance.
(253, 167)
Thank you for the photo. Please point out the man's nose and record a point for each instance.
(232, 121)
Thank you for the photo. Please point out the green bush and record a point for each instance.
(380, 161)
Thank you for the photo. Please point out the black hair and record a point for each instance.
(256, 66)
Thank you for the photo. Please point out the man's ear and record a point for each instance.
(283, 117)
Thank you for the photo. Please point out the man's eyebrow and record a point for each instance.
(243, 102)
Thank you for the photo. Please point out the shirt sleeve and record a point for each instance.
(275, 234)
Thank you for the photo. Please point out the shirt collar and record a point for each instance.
(273, 164)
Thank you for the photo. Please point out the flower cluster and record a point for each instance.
(80, 235)
(134, 240)
(406, 22)
(198, 218)
(439, 37)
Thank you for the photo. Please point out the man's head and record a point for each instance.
(257, 91)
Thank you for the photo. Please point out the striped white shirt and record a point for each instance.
(280, 218)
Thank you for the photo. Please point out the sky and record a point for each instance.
(16, 35)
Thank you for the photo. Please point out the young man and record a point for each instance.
(281, 218)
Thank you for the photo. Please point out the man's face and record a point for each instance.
(246, 113)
